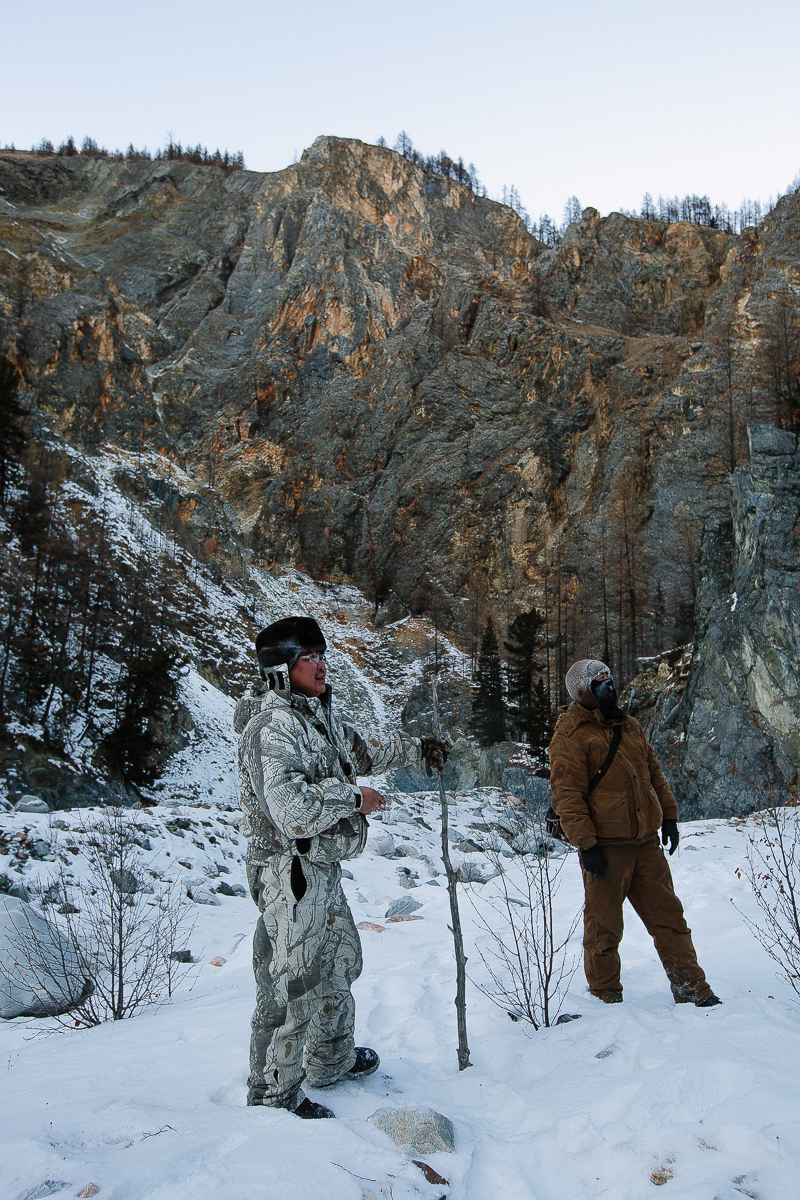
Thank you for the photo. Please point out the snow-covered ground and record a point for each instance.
(705, 1101)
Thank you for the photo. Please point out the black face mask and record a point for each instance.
(606, 695)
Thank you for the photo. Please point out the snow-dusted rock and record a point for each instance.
(402, 907)
(383, 844)
(124, 881)
(468, 846)
(31, 804)
(416, 1130)
(227, 889)
(48, 1187)
(406, 877)
(473, 872)
(45, 988)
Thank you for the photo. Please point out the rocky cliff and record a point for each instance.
(725, 719)
(369, 373)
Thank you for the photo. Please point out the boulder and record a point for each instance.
(227, 889)
(124, 881)
(48, 1187)
(467, 846)
(53, 983)
(403, 906)
(31, 804)
(460, 773)
(472, 872)
(416, 1130)
(382, 844)
(406, 877)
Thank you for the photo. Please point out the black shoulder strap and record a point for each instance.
(616, 738)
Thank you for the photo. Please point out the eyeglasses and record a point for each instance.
(313, 658)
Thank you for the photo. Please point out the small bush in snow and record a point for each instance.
(121, 937)
(525, 952)
(773, 871)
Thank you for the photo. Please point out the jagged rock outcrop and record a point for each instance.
(382, 375)
(726, 720)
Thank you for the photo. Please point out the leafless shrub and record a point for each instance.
(113, 940)
(525, 952)
(773, 872)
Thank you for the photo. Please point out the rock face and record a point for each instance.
(368, 372)
(726, 720)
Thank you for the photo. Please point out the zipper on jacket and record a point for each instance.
(294, 913)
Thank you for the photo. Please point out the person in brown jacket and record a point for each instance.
(611, 801)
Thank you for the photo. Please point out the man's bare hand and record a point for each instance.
(371, 801)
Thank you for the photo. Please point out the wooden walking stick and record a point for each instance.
(458, 940)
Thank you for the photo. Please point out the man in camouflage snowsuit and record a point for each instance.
(304, 814)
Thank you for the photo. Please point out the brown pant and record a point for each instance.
(640, 874)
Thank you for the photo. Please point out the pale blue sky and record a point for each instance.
(603, 101)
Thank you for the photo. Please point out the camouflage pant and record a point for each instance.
(306, 955)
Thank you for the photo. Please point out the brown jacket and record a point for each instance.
(632, 799)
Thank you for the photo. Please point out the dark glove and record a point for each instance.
(669, 833)
(434, 754)
(593, 862)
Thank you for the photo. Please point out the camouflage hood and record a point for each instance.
(258, 698)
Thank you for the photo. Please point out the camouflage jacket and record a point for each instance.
(298, 763)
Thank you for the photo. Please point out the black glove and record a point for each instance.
(669, 833)
(593, 862)
(434, 754)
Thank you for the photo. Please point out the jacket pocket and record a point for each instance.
(655, 813)
(611, 815)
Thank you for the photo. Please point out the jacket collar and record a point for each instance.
(317, 705)
(594, 715)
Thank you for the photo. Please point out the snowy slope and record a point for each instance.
(154, 1107)
(214, 618)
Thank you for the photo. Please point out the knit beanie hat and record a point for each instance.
(580, 675)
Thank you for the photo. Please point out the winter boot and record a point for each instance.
(367, 1062)
(610, 997)
(309, 1110)
(708, 1002)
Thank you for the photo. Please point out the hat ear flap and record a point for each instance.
(275, 680)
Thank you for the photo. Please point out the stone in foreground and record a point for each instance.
(416, 1130)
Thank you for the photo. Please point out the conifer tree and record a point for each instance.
(12, 432)
(489, 706)
(525, 635)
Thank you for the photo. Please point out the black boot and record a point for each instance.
(309, 1110)
(367, 1063)
(709, 1002)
